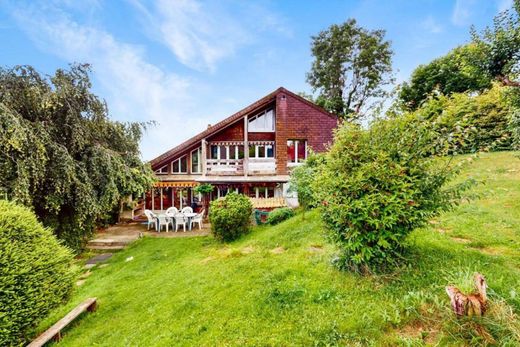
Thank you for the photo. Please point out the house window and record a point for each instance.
(263, 122)
(262, 192)
(196, 166)
(261, 151)
(180, 165)
(296, 151)
(162, 171)
(227, 152)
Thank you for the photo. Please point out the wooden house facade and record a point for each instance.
(250, 152)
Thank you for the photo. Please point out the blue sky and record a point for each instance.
(190, 63)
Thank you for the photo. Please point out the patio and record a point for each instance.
(118, 236)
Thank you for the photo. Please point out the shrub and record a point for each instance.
(301, 181)
(278, 215)
(473, 122)
(36, 273)
(377, 185)
(230, 216)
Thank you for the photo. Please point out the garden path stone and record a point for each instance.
(99, 258)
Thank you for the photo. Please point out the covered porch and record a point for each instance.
(164, 195)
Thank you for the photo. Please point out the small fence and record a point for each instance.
(268, 203)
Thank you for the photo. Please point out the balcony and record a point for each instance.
(261, 166)
(224, 167)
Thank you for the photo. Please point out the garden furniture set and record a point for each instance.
(175, 218)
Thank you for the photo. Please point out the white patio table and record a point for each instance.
(190, 217)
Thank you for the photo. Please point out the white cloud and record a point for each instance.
(135, 89)
(203, 33)
(198, 35)
(431, 25)
(504, 5)
(462, 12)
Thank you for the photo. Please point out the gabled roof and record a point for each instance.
(230, 120)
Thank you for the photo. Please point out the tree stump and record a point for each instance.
(473, 304)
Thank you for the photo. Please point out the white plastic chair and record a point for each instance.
(150, 216)
(172, 211)
(198, 219)
(187, 209)
(162, 220)
(180, 219)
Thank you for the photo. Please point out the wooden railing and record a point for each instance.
(261, 166)
(225, 167)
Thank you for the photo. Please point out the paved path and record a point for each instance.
(118, 236)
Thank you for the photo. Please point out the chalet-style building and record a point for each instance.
(250, 152)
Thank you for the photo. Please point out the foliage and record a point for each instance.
(278, 215)
(311, 304)
(301, 180)
(455, 72)
(60, 153)
(377, 185)
(501, 46)
(205, 188)
(351, 66)
(230, 216)
(35, 273)
(471, 122)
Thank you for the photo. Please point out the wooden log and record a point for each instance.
(54, 332)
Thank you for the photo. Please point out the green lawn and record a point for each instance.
(276, 286)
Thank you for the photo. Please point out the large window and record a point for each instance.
(196, 166)
(162, 171)
(263, 122)
(227, 152)
(261, 151)
(261, 192)
(180, 166)
(296, 151)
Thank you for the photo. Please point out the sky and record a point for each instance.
(188, 63)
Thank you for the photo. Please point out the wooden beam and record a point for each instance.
(54, 332)
(246, 146)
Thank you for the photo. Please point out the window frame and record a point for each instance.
(250, 120)
(297, 159)
(180, 165)
(199, 164)
(257, 151)
(160, 172)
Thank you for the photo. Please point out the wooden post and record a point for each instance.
(203, 156)
(161, 195)
(246, 146)
(153, 198)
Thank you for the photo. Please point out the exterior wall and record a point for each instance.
(296, 120)
(234, 132)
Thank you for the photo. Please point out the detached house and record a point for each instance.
(250, 152)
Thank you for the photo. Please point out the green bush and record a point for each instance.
(230, 216)
(473, 122)
(36, 273)
(278, 215)
(377, 185)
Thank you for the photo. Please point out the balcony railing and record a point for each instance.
(225, 167)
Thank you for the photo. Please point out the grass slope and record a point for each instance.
(276, 286)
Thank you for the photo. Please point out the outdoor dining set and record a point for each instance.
(185, 218)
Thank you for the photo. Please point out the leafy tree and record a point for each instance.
(351, 66)
(60, 153)
(471, 122)
(379, 184)
(501, 46)
(455, 72)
